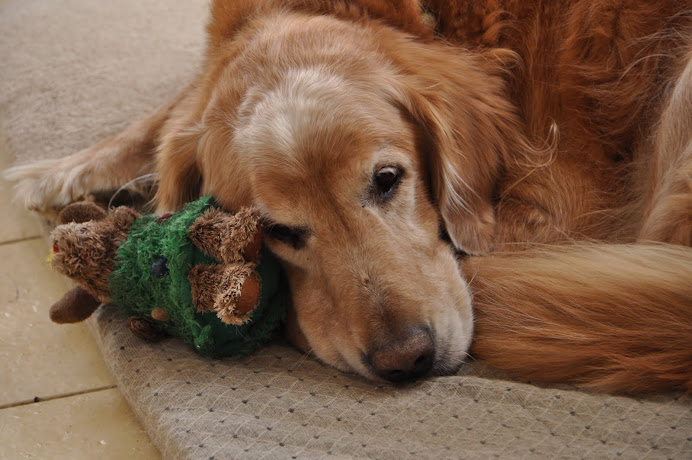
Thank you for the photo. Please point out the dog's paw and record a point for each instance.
(46, 186)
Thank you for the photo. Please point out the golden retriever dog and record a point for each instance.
(509, 179)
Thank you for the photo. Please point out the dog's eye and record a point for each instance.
(294, 237)
(386, 181)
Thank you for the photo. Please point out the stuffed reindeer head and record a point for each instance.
(84, 249)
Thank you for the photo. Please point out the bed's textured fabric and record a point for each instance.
(279, 404)
(75, 71)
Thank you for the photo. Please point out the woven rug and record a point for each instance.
(76, 71)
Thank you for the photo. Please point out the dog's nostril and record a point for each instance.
(423, 363)
(406, 359)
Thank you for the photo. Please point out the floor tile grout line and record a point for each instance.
(19, 240)
(60, 396)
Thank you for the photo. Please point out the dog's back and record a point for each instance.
(601, 74)
(616, 81)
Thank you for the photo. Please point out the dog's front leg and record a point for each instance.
(47, 186)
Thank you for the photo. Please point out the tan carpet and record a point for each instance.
(75, 71)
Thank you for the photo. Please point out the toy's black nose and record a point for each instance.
(405, 358)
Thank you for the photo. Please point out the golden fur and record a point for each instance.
(554, 136)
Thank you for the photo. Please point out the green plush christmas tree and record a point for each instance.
(200, 274)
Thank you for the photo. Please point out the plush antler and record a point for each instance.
(75, 306)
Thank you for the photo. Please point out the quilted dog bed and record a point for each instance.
(76, 71)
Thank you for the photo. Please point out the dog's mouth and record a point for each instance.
(447, 361)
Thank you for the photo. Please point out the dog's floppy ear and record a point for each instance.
(459, 100)
(193, 155)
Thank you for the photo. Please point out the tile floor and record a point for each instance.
(57, 398)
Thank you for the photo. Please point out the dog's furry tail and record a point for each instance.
(616, 318)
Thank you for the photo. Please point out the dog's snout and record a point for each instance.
(406, 358)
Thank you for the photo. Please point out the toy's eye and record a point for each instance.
(160, 267)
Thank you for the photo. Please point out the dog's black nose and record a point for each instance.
(406, 359)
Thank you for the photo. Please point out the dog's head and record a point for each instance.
(372, 158)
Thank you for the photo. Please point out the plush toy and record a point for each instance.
(199, 274)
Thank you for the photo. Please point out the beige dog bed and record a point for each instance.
(76, 71)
